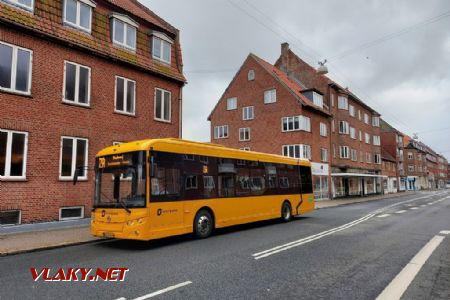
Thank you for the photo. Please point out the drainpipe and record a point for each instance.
(180, 121)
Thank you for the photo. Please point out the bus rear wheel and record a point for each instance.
(286, 212)
(203, 224)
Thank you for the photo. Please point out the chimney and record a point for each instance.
(284, 48)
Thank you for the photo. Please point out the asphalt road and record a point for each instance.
(346, 252)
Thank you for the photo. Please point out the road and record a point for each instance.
(347, 252)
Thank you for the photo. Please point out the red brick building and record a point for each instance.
(389, 170)
(392, 144)
(355, 129)
(417, 169)
(263, 110)
(77, 76)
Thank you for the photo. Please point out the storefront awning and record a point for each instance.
(357, 175)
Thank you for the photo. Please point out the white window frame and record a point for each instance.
(251, 75)
(245, 149)
(359, 114)
(270, 96)
(304, 151)
(361, 156)
(77, 25)
(343, 102)
(333, 129)
(217, 130)
(367, 138)
(377, 158)
(244, 131)
(77, 85)
(354, 155)
(376, 121)
(12, 89)
(344, 152)
(318, 99)
(304, 123)
(162, 106)
(368, 158)
(352, 133)
(164, 39)
(74, 158)
(323, 155)
(366, 118)
(125, 91)
(232, 103)
(7, 175)
(323, 129)
(410, 155)
(351, 110)
(376, 140)
(360, 136)
(345, 128)
(20, 5)
(127, 22)
(246, 115)
(71, 218)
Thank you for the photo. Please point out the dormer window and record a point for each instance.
(124, 31)
(161, 47)
(25, 4)
(78, 14)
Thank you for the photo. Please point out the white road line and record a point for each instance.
(401, 282)
(167, 289)
(414, 208)
(400, 211)
(445, 232)
(384, 216)
(320, 235)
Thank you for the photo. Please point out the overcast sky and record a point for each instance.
(406, 78)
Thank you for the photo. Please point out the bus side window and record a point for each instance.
(306, 180)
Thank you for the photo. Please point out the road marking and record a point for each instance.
(414, 208)
(287, 246)
(430, 203)
(384, 216)
(401, 282)
(423, 205)
(167, 289)
(400, 211)
(445, 232)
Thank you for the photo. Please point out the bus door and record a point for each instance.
(166, 205)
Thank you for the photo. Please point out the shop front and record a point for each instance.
(320, 176)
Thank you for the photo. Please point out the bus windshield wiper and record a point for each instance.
(124, 206)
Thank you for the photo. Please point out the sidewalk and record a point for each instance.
(34, 237)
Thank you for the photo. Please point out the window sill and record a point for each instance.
(78, 28)
(71, 179)
(17, 93)
(167, 63)
(10, 179)
(21, 7)
(118, 112)
(70, 103)
(163, 121)
(123, 47)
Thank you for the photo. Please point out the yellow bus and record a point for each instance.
(157, 188)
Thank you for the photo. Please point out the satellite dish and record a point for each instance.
(322, 69)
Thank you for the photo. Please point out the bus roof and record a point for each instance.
(174, 145)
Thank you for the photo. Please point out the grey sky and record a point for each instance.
(406, 78)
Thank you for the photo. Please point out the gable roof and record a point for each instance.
(292, 86)
(329, 81)
(386, 156)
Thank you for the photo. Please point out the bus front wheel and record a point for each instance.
(286, 212)
(203, 224)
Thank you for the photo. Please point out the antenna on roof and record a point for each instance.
(415, 136)
(322, 69)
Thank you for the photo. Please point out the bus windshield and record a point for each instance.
(121, 180)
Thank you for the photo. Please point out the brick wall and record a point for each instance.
(46, 119)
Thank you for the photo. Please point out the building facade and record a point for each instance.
(77, 76)
(392, 145)
(389, 170)
(263, 110)
(416, 166)
(355, 151)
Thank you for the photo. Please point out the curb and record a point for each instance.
(368, 200)
(49, 247)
